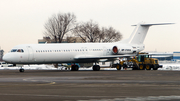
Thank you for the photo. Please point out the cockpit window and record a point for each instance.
(13, 50)
(17, 50)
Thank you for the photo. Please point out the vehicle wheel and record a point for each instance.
(155, 67)
(148, 67)
(118, 67)
(21, 70)
(96, 68)
(76, 67)
(124, 66)
(141, 67)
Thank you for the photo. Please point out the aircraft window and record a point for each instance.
(13, 50)
(19, 50)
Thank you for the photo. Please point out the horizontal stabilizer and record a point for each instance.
(155, 24)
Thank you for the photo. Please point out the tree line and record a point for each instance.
(60, 24)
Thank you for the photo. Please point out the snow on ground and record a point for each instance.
(166, 66)
(170, 66)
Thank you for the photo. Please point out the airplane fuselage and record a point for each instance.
(67, 52)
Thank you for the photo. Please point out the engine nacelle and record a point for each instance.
(115, 50)
(123, 50)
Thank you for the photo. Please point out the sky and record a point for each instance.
(22, 21)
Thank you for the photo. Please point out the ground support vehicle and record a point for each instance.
(140, 62)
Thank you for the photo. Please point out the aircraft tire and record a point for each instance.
(21, 70)
(96, 68)
(74, 68)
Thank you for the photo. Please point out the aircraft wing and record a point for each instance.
(102, 57)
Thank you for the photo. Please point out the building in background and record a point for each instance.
(176, 56)
(162, 56)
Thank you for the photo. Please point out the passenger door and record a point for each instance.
(30, 54)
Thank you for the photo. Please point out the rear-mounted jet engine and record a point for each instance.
(115, 50)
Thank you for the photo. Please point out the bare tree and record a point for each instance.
(110, 35)
(89, 31)
(58, 25)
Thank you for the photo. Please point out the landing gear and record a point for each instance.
(96, 68)
(21, 69)
(74, 68)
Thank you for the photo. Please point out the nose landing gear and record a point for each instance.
(21, 69)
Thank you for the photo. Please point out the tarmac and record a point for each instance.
(57, 85)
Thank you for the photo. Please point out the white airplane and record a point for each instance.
(79, 52)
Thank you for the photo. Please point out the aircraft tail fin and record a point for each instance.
(139, 33)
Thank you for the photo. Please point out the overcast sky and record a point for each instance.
(22, 21)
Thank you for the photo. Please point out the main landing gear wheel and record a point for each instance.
(21, 70)
(74, 68)
(96, 68)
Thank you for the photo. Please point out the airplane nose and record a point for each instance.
(6, 58)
